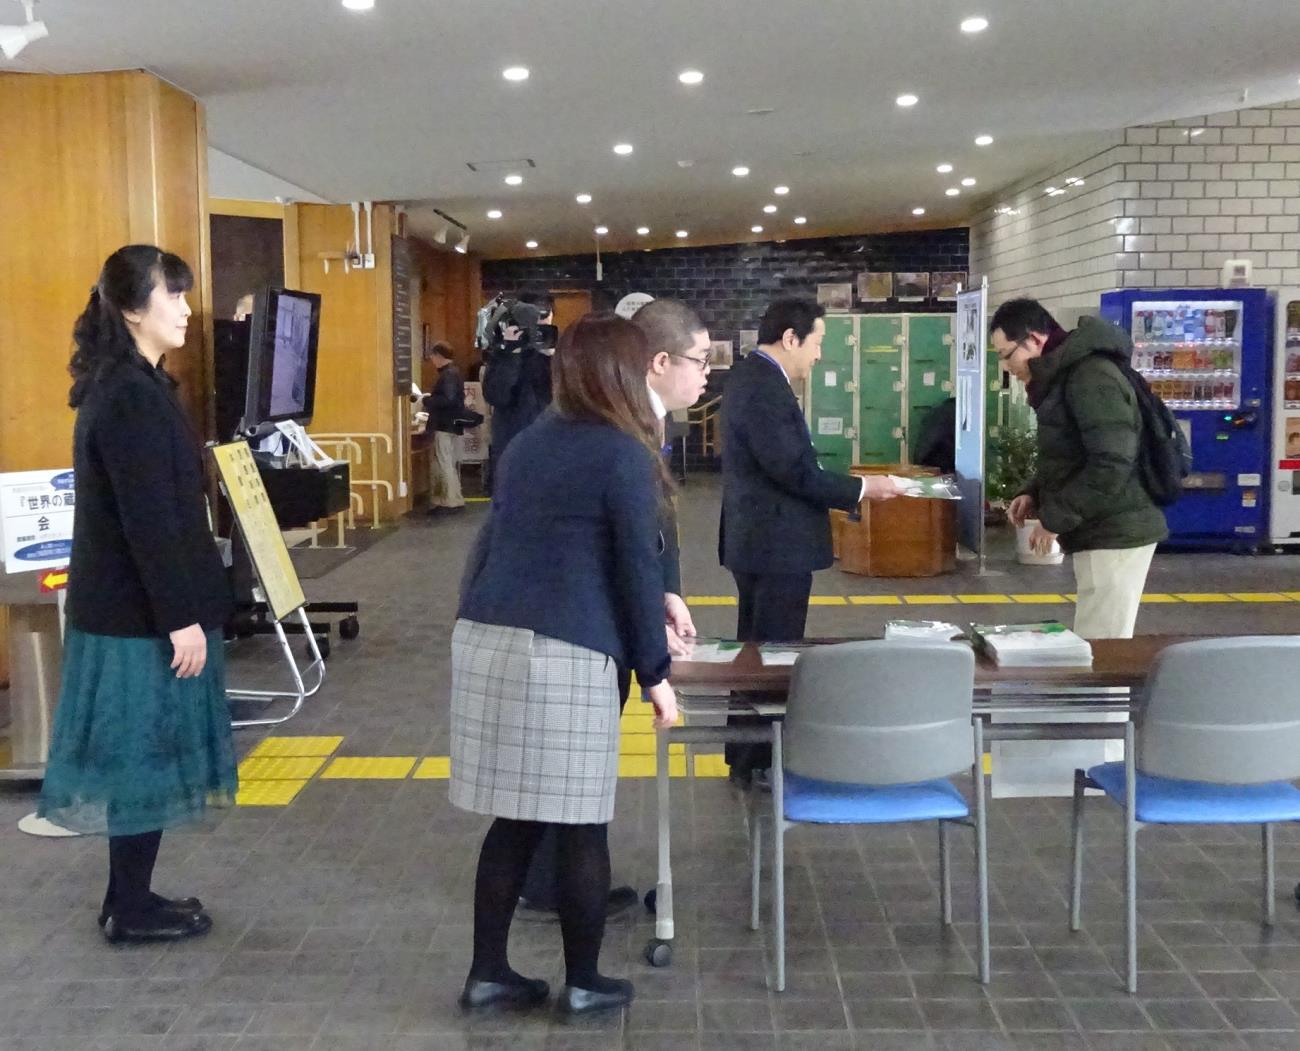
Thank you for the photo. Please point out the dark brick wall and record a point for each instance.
(731, 284)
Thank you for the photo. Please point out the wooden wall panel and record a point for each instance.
(449, 299)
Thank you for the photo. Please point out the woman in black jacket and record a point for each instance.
(142, 737)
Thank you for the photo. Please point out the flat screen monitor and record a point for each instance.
(282, 348)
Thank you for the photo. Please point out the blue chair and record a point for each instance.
(872, 732)
(1215, 740)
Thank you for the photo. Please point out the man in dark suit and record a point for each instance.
(775, 529)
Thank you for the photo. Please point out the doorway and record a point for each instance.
(569, 306)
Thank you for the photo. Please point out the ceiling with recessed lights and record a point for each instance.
(396, 102)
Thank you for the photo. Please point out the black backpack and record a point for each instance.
(1164, 457)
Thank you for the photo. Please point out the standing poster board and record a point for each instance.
(36, 511)
(474, 440)
(242, 484)
(972, 312)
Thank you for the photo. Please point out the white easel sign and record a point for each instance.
(36, 511)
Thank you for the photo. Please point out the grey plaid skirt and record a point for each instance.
(534, 726)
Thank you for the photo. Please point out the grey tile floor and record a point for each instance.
(342, 920)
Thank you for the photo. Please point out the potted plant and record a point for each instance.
(1012, 460)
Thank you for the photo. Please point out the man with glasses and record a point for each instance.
(1087, 490)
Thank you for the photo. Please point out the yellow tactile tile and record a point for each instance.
(369, 768)
(875, 600)
(1260, 596)
(827, 600)
(1292, 595)
(984, 600)
(1198, 596)
(284, 768)
(434, 768)
(644, 766)
(1039, 600)
(295, 746)
(711, 766)
(710, 600)
(267, 793)
(1155, 598)
(930, 600)
(638, 722)
(644, 744)
(988, 763)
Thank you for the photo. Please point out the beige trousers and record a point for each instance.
(444, 471)
(1110, 584)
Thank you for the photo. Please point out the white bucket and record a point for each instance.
(1026, 556)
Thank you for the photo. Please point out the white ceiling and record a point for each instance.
(391, 104)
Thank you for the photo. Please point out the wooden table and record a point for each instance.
(1014, 695)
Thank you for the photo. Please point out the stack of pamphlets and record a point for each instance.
(1046, 644)
(927, 487)
(926, 630)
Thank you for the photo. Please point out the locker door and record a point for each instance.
(929, 367)
(880, 384)
(830, 399)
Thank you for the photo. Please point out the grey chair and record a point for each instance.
(1216, 739)
(872, 732)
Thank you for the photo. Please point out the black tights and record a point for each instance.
(130, 873)
(583, 870)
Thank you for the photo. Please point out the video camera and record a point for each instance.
(503, 315)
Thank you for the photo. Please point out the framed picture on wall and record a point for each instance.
(875, 288)
(836, 298)
(911, 288)
(748, 340)
(721, 354)
(945, 283)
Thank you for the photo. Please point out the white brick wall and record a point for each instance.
(1166, 205)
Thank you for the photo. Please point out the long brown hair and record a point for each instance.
(599, 374)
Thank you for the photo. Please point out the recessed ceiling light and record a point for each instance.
(686, 164)
(968, 181)
(759, 111)
(755, 229)
(984, 140)
(601, 231)
(683, 233)
(944, 169)
(623, 149)
(770, 209)
(781, 191)
(740, 171)
(918, 211)
(358, 5)
(975, 24)
(514, 180)
(799, 220)
(643, 230)
(583, 198)
(515, 73)
(495, 213)
(952, 191)
(690, 76)
(530, 244)
(907, 100)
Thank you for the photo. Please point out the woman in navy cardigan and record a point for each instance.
(564, 587)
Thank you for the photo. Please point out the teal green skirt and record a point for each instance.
(135, 749)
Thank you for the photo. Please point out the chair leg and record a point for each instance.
(1076, 852)
(1269, 907)
(755, 860)
(778, 855)
(981, 852)
(945, 876)
(1130, 858)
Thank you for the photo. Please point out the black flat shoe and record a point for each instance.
(575, 1000)
(181, 905)
(531, 992)
(160, 927)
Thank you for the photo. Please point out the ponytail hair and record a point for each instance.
(101, 337)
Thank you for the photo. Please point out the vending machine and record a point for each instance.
(1208, 354)
(1284, 499)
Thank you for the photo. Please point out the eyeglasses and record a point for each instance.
(700, 363)
(1015, 347)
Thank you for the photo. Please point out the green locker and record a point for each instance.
(880, 387)
(929, 368)
(830, 413)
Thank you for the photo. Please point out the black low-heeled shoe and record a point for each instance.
(157, 927)
(531, 992)
(161, 904)
(574, 1000)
